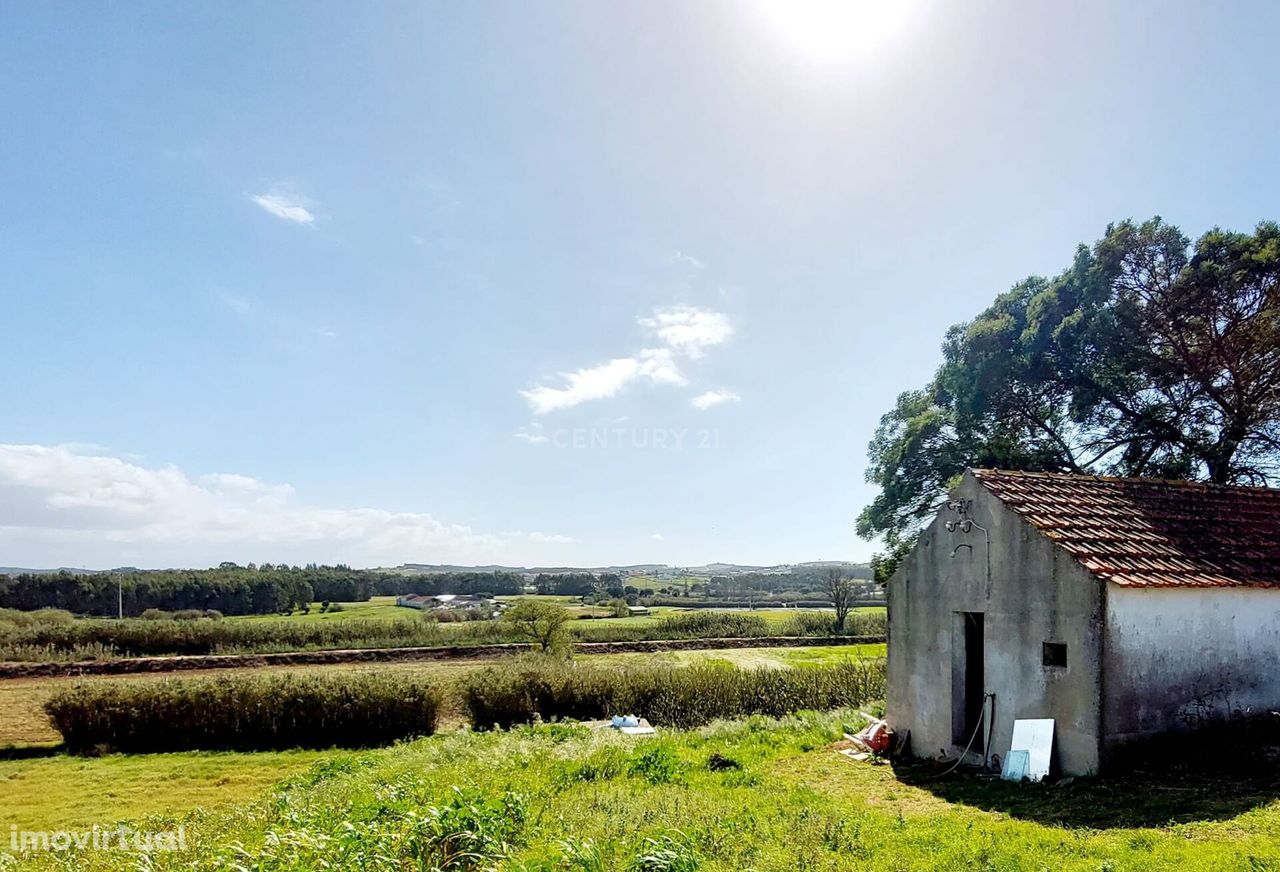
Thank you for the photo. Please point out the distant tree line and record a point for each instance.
(232, 589)
(579, 584)
(471, 583)
(802, 580)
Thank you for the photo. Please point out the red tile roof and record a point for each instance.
(1148, 532)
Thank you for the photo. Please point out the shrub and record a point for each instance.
(13, 618)
(713, 625)
(811, 624)
(542, 623)
(188, 615)
(469, 832)
(245, 712)
(156, 615)
(520, 692)
(337, 607)
(213, 614)
(869, 623)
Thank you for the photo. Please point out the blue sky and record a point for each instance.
(552, 283)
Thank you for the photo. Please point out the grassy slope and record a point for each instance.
(780, 800)
(22, 721)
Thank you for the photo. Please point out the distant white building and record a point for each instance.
(441, 601)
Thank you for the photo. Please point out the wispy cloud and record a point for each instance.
(680, 258)
(66, 504)
(551, 538)
(688, 329)
(657, 537)
(714, 398)
(290, 207)
(532, 434)
(682, 331)
(239, 305)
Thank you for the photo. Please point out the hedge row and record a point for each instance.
(689, 696)
(54, 636)
(364, 709)
(245, 713)
(137, 637)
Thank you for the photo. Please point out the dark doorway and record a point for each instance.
(968, 667)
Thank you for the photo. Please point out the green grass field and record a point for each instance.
(755, 795)
(378, 607)
(384, 607)
(75, 792)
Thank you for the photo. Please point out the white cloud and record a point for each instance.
(688, 329)
(592, 383)
(66, 505)
(290, 207)
(683, 331)
(532, 434)
(550, 538)
(714, 398)
(682, 259)
(657, 537)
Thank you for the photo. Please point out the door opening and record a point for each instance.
(968, 669)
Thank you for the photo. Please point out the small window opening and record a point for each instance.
(1055, 654)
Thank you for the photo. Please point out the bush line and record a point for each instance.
(245, 713)
(278, 712)
(675, 696)
(56, 637)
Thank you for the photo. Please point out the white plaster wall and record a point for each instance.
(1035, 593)
(1178, 658)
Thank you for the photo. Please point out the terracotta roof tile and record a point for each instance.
(1149, 532)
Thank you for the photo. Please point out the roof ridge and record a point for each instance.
(1147, 532)
(981, 471)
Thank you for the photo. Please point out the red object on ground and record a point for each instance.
(878, 737)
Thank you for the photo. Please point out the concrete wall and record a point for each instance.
(1180, 658)
(1034, 593)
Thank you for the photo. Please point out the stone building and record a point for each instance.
(1122, 608)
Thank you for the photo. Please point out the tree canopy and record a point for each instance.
(1147, 356)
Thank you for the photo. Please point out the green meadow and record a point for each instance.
(757, 794)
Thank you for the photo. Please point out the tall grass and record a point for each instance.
(541, 688)
(245, 713)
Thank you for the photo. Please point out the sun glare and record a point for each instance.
(832, 30)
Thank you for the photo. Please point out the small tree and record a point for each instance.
(542, 623)
(840, 589)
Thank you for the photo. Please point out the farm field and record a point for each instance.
(385, 608)
(23, 723)
(377, 608)
(759, 794)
